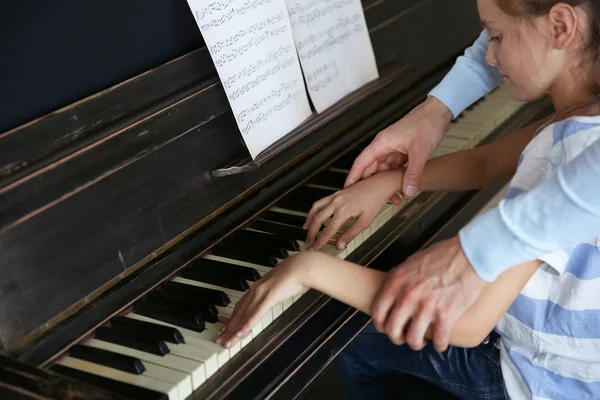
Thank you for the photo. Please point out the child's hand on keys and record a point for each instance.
(283, 282)
(363, 200)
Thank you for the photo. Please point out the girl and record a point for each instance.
(546, 312)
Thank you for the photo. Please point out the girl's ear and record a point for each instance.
(563, 21)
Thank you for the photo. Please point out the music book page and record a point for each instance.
(252, 47)
(334, 46)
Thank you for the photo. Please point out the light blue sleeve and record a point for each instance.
(558, 214)
(470, 78)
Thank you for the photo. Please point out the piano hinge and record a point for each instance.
(236, 169)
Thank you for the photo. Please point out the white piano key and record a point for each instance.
(326, 187)
(267, 319)
(198, 344)
(229, 292)
(144, 381)
(190, 349)
(260, 268)
(289, 212)
(181, 379)
(453, 143)
(339, 170)
(350, 247)
(193, 368)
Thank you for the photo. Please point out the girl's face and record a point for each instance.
(522, 51)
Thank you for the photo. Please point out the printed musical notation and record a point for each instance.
(252, 46)
(334, 47)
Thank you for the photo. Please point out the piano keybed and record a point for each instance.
(164, 347)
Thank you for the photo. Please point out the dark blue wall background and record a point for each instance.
(55, 52)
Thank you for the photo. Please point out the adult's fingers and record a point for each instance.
(398, 318)
(443, 328)
(383, 166)
(417, 157)
(415, 336)
(364, 161)
(397, 159)
(391, 161)
(371, 170)
(383, 303)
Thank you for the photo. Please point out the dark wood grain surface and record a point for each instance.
(22, 381)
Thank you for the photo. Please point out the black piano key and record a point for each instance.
(329, 178)
(171, 315)
(345, 162)
(208, 311)
(208, 276)
(107, 358)
(256, 245)
(253, 236)
(303, 198)
(142, 343)
(160, 332)
(125, 389)
(285, 219)
(245, 253)
(148, 334)
(208, 296)
(288, 232)
(246, 273)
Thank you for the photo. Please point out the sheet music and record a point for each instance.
(252, 47)
(335, 49)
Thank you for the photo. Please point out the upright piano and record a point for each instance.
(132, 220)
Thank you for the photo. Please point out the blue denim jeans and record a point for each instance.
(371, 365)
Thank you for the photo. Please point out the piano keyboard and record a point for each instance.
(164, 347)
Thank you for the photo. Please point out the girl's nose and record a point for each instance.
(490, 56)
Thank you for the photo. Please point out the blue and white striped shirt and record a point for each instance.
(524, 228)
(550, 347)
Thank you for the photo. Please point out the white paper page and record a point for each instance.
(252, 47)
(335, 49)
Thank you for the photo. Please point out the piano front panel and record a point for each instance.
(170, 333)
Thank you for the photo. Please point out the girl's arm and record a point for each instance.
(357, 286)
(462, 170)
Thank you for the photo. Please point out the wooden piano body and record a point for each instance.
(113, 122)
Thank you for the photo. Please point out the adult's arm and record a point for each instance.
(413, 138)
(470, 78)
(561, 212)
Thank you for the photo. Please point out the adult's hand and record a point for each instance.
(412, 139)
(434, 286)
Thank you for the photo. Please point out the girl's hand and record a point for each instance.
(363, 200)
(283, 282)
